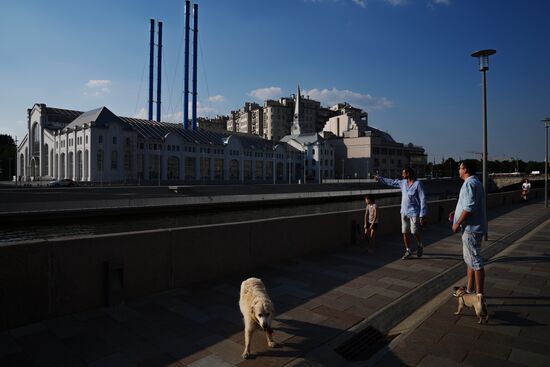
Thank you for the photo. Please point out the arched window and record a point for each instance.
(78, 175)
(259, 170)
(51, 163)
(85, 174)
(190, 163)
(46, 160)
(234, 169)
(269, 170)
(35, 138)
(70, 165)
(100, 160)
(173, 168)
(128, 154)
(279, 171)
(21, 165)
(62, 166)
(114, 159)
(218, 168)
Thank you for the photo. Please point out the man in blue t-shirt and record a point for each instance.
(413, 208)
(469, 217)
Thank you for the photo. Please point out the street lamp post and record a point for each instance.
(483, 57)
(546, 125)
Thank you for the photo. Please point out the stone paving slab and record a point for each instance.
(518, 332)
(319, 299)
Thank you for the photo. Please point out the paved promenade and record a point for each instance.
(322, 301)
(518, 332)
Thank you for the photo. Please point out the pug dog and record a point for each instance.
(471, 300)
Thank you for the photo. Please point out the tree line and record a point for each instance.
(8, 164)
(449, 167)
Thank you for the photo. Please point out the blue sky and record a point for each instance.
(407, 62)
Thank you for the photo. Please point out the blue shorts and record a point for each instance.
(471, 249)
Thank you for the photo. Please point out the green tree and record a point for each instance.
(8, 152)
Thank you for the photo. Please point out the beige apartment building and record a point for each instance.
(277, 118)
(273, 120)
(248, 120)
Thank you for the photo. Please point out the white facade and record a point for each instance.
(98, 146)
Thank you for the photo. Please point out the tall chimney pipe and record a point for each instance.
(151, 66)
(195, 37)
(159, 71)
(186, 70)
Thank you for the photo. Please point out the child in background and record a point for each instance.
(371, 220)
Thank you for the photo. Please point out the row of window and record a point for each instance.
(114, 160)
(71, 141)
(384, 161)
(388, 151)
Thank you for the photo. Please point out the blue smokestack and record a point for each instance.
(186, 70)
(195, 36)
(159, 68)
(151, 66)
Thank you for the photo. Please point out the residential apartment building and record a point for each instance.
(218, 123)
(248, 119)
(273, 120)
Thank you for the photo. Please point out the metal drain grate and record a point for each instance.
(364, 344)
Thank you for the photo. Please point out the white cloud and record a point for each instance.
(433, 3)
(97, 83)
(396, 2)
(142, 114)
(364, 101)
(216, 98)
(266, 93)
(97, 87)
(361, 3)
(176, 117)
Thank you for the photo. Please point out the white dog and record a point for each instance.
(257, 310)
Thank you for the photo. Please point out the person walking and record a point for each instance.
(469, 217)
(413, 208)
(371, 221)
(525, 188)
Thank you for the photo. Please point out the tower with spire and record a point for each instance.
(298, 115)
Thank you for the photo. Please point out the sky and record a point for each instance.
(406, 62)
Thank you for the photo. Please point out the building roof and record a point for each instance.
(154, 130)
(100, 117)
(309, 138)
(387, 137)
(61, 115)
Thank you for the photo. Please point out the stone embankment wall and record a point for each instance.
(45, 279)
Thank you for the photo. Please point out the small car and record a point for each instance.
(66, 182)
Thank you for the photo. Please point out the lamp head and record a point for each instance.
(483, 57)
